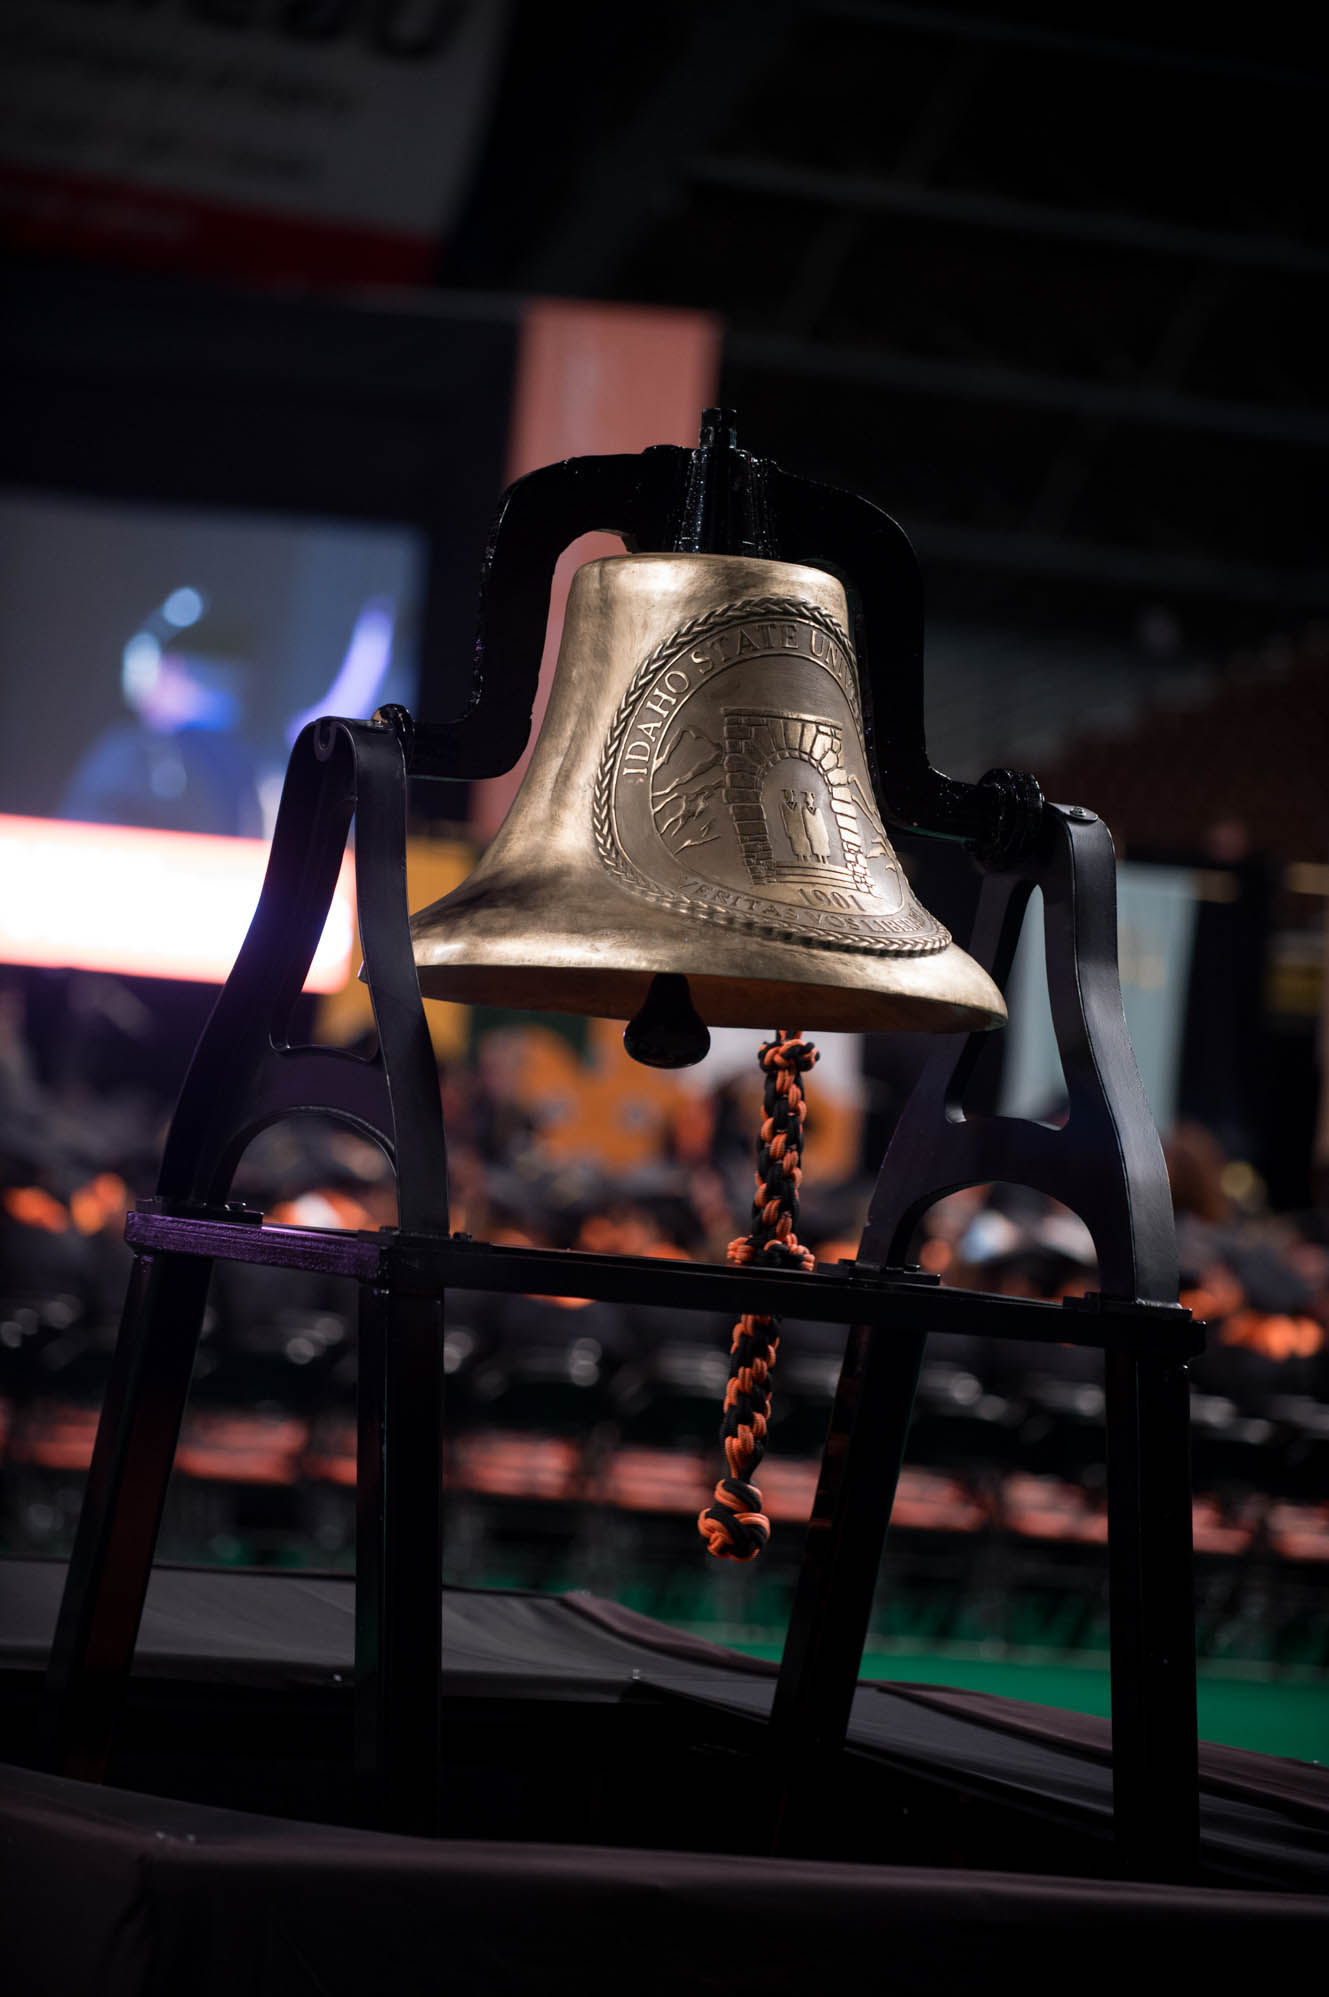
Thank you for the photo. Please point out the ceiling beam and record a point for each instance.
(1300, 591)
(1067, 41)
(775, 353)
(873, 194)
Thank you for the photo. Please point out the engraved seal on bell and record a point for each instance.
(734, 785)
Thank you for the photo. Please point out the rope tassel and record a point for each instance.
(735, 1527)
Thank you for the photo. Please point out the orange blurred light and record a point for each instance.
(33, 1206)
(1274, 1335)
(102, 1200)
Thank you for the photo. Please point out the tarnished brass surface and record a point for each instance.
(699, 802)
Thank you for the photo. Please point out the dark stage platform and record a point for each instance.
(609, 1805)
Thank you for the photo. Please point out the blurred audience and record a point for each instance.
(566, 1403)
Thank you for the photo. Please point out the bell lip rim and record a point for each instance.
(597, 991)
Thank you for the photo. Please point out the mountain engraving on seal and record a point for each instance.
(734, 786)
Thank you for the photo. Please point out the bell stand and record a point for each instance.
(1106, 1163)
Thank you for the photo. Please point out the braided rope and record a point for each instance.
(734, 1526)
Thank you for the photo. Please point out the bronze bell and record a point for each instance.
(698, 805)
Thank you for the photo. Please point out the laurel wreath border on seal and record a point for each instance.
(630, 876)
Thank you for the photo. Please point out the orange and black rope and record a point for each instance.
(734, 1526)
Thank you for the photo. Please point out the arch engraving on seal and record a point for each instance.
(733, 786)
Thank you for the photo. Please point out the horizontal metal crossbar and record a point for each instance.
(843, 1293)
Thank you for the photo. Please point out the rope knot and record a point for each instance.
(735, 1527)
(789, 1254)
(789, 1052)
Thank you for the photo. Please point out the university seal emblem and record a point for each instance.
(734, 786)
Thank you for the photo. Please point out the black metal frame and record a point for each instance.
(1106, 1163)
(244, 1076)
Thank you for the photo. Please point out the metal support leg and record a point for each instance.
(1130, 1753)
(399, 1561)
(1169, 1615)
(131, 1464)
(828, 1625)
(1154, 1752)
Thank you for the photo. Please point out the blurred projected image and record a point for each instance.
(158, 665)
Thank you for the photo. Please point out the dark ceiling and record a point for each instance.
(1054, 294)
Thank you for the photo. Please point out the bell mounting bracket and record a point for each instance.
(718, 499)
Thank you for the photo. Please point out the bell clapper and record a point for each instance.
(668, 1031)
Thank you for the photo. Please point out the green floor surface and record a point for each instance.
(1271, 1713)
